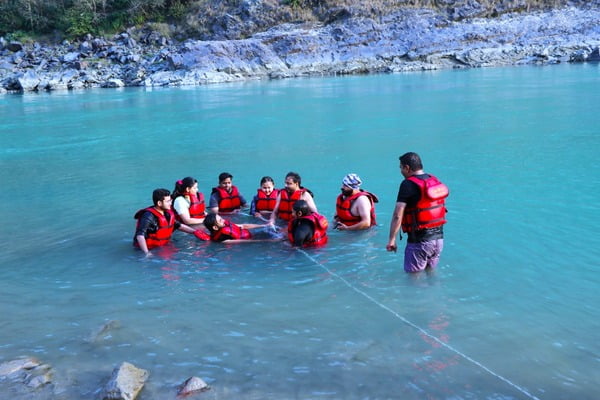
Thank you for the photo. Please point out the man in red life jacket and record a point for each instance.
(420, 211)
(354, 207)
(222, 230)
(286, 198)
(226, 198)
(156, 223)
(307, 228)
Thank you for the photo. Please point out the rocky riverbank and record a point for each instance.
(405, 40)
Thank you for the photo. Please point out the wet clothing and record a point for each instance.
(319, 232)
(157, 228)
(424, 244)
(286, 203)
(410, 193)
(229, 231)
(263, 202)
(226, 201)
(195, 205)
(344, 205)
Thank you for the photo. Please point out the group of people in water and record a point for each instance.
(420, 211)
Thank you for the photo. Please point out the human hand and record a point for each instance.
(391, 246)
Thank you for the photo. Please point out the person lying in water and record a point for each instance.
(222, 230)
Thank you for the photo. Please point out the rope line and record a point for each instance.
(418, 328)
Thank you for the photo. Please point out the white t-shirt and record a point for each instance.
(182, 206)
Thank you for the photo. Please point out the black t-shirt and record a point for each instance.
(410, 193)
(149, 224)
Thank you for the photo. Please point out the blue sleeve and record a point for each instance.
(253, 205)
(214, 200)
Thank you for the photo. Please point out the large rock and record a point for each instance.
(126, 382)
(192, 385)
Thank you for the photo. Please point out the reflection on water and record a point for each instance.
(516, 285)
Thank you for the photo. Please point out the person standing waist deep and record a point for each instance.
(421, 212)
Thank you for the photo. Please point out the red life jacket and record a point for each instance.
(319, 223)
(286, 203)
(430, 210)
(228, 202)
(343, 206)
(166, 226)
(197, 207)
(266, 202)
(229, 231)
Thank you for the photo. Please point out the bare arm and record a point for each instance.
(362, 207)
(310, 201)
(141, 241)
(275, 210)
(395, 225)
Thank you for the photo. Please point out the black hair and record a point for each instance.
(295, 177)
(159, 195)
(224, 175)
(210, 221)
(412, 160)
(266, 179)
(182, 185)
(302, 206)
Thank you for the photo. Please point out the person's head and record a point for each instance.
(301, 208)
(267, 185)
(225, 179)
(409, 163)
(213, 222)
(293, 182)
(350, 184)
(187, 185)
(161, 198)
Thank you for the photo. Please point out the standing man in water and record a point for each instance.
(420, 211)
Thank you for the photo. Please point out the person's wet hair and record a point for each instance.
(210, 221)
(302, 206)
(224, 175)
(159, 195)
(412, 160)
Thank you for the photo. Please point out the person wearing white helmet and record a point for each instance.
(354, 207)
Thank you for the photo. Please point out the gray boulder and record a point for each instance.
(192, 385)
(126, 383)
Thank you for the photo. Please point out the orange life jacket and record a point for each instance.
(166, 226)
(228, 202)
(343, 206)
(430, 210)
(197, 207)
(320, 225)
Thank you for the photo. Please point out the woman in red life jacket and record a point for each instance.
(307, 228)
(354, 207)
(286, 198)
(155, 224)
(264, 201)
(188, 202)
(226, 198)
(222, 230)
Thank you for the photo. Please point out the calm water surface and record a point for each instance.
(511, 313)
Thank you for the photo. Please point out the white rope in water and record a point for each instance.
(418, 328)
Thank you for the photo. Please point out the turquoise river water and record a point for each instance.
(512, 312)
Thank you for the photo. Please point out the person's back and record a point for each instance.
(307, 228)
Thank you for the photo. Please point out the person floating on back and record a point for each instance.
(265, 199)
(226, 198)
(307, 228)
(292, 192)
(354, 207)
(222, 230)
(421, 212)
(155, 224)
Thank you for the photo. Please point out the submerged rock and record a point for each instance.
(125, 383)
(103, 331)
(18, 365)
(192, 385)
